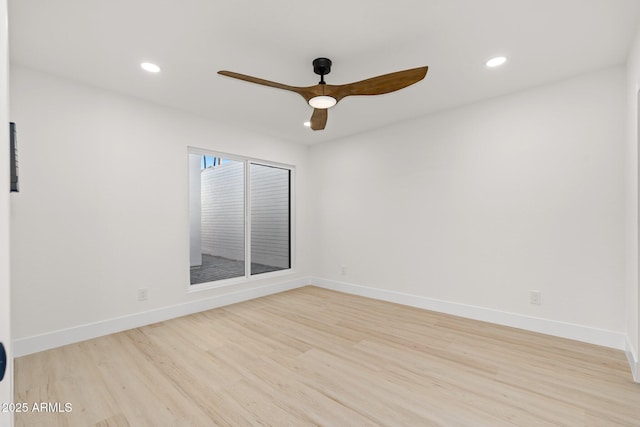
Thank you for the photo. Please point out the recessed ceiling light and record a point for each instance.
(497, 61)
(148, 66)
(307, 124)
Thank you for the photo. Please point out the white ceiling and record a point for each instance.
(102, 42)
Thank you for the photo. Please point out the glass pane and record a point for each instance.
(270, 219)
(217, 218)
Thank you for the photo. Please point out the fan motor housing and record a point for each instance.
(322, 66)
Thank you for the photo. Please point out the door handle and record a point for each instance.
(3, 361)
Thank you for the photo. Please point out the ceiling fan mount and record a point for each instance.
(322, 67)
(324, 96)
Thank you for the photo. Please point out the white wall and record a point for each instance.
(632, 296)
(479, 205)
(104, 208)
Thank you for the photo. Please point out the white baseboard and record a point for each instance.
(572, 331)
(612, 339)
(633, 361)
(34, 344)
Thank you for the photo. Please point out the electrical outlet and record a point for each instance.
(143, 294)
(535, 297)
(343, 270)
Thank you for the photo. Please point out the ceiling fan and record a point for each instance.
(324, 96)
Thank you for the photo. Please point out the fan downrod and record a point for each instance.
(322, 67)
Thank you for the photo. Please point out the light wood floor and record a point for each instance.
(317, 357)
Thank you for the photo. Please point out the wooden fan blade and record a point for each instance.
(319, 118)
(263, 82)
(381, 84)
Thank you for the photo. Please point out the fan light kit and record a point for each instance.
(322, 101)
(323, 96)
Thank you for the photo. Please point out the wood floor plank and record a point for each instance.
(314, 357)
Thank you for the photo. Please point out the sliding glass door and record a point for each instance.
(240, 217)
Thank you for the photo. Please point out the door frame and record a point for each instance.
(6, 385)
